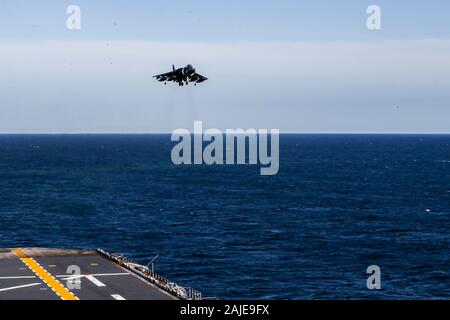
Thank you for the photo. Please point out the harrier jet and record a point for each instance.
(182, 75)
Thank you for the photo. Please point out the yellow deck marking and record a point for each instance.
(54, 284)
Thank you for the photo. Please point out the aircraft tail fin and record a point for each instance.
(173, 67)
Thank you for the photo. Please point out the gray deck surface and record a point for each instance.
(101, 278)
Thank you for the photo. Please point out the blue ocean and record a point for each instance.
(339, 204)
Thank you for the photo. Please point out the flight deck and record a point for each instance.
(54, 274)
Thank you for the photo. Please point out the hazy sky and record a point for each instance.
(304, 66)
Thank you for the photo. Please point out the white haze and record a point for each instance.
(107, 86)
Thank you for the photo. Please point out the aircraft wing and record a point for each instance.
(169, 76)
(197, 78)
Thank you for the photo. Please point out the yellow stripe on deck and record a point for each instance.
(54, 284)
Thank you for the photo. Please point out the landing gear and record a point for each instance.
(165, 83)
